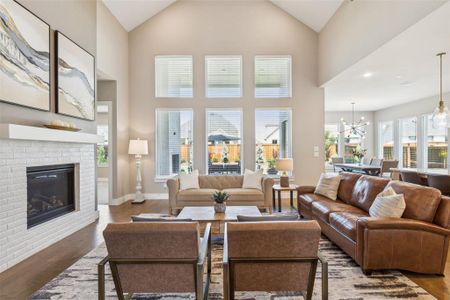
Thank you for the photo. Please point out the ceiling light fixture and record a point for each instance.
(440, 118)
(355, 128)
(367, 75)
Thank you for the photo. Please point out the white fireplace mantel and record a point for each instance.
(32, 133)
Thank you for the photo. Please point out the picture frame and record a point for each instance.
(75, 79)
(25, 78)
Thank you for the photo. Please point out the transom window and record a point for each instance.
(224, 140)
(174, 150)
(273, 140)
(173, 76)
(223, 76)
(273, 76)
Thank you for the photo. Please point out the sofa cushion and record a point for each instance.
(220, 182)
(421, 201)
(323, 208)
(345, 222)
(244, 194)
(348, 181)
(196, 195)
(366, 189)
(307, 199)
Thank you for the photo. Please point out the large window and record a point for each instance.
(173, 76)
(223, 76)
(436, 143)
(351, 143)
(408, 142)
(173, 142)
(273, 137)
(331, 141)
(273, 76)
(386, 140)
(224, 136)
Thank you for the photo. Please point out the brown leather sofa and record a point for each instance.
(416, 242)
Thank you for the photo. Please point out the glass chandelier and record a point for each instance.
(441, 116)
(357, 128)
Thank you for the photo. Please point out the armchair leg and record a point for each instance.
(324, 279)
(101, 278)
(226, 282)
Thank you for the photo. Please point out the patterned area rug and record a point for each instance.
(346, 281)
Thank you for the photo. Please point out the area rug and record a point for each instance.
(346, 281)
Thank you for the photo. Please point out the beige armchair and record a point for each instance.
(156, 257)
(272, 256)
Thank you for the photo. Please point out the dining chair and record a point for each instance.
(411, 177)
(440, 182)
(336, 160)
(376, 162)
(366, 160)
(272, 257)
(387, 165)
(156, 257)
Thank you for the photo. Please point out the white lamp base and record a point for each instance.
(139, 197)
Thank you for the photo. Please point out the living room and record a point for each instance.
(305, 141)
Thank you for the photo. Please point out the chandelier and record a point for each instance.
(355, 128)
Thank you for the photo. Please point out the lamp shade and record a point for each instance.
(284, 164)
(138, 147)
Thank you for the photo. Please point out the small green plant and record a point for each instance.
(102, 155)
(220, 197)
(215, 160)
(359, 152)
(271, 163)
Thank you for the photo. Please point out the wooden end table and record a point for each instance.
(278, 189)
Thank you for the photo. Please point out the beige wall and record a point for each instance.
(246, 28)
(64, 16)
(112, 53)
(360, 27)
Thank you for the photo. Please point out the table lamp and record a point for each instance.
(138, 148)
(284, 165)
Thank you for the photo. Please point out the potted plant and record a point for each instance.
(220, 199)
(271, 164)
(359, 153)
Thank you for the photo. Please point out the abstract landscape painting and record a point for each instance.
(75, 79)
(24, 57)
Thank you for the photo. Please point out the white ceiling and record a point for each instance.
(132, 13)
(313, 13)
(403, 70)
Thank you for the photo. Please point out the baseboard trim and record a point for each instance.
(147, 196)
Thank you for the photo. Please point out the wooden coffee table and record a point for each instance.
(206, 214)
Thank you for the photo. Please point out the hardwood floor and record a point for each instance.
(22, 280)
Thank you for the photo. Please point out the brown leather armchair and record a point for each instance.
(156, 257)
(416, 242)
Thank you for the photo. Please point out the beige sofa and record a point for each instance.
(210, 184)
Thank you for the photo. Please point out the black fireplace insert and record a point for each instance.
(51, 192)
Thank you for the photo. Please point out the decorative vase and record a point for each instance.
(220, 207)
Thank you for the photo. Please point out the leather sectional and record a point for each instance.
(417, 242)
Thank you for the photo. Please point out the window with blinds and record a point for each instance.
(223, 76)
(273, 76)
(173, 76)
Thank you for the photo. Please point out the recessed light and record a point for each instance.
(399, 76)
(367, 74)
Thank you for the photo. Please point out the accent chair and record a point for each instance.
(272, 256)
(156, 257)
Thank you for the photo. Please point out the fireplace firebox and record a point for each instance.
(51, 192)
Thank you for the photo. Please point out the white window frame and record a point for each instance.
(379, 137)
(288, 109)
(241, 85)
(290, 75)
(156, 76)
(219, 109)
(163, 178)
(400, 143)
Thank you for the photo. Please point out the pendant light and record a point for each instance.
(441, 116)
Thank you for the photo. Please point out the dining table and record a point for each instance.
(357, 167)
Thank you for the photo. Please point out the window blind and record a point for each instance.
(173, 76)
(223, 76)
(273, 76)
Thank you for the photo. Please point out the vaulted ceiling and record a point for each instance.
(313, 13)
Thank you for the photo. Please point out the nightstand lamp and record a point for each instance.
(138, 148)
(284, 165)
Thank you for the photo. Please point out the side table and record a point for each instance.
(277, 189)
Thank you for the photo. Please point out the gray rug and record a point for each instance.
(346, 281)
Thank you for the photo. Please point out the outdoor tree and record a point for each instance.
(259, 156)
(330, 141)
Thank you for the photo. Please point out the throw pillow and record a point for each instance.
(388, 204)
(189, 181)
(252, 180)
(328, 185)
